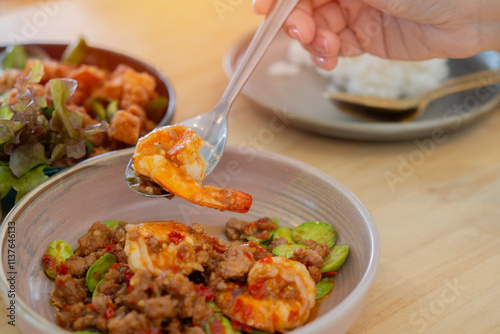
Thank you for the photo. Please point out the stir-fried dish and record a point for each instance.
(166, 277)
(54, 113)
(170, 157)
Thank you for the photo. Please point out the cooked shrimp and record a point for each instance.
(278, 298)
(168, 247)
(170, 156)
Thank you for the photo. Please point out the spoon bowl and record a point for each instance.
(212, 125)
(414, 107)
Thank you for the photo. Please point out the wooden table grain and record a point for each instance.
(439, 222)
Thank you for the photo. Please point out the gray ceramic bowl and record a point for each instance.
(67, 204)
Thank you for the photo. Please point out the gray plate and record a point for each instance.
(300, 98)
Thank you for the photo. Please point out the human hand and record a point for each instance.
(392, 29)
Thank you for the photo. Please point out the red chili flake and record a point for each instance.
(260, 221)
(245, 311)
(216, 327)
(329, 274)
(175, 237)
(249, 228)
(203, 291)
(249, 256)
(127, 276)
(239, 326)
(254, 244)
(267, 259)
(218, 246)
(47, 259)
(109, 247)
(262, 235)
(130, 289)
(109, 313)
(258, 289)
(293, 315)
(62, 269)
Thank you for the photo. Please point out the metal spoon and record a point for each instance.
(417, 105)
(212, 125)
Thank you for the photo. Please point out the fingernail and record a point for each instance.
(294, 32)
(321, 45)
(320, 61)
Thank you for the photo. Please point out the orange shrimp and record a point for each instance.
(168, 247)
(170, 156)
(279, 296)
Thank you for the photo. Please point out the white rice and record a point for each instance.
(369, 75)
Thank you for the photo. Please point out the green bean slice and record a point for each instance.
(96, 288)
(286, 249)
(98, 269)
(225, 322)
(324, 287)
(316, 231)
(336, 258)
(285, 232)
(113, 223)
(60, 251)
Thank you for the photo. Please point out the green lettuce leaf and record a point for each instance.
(26, 157)
(14, 56)
(75, 53)
(6, 112)
(29, 181)
(6, 178)
(8, 129)
(36, 72)
(23, 184)
(57, 152)
(61, 90)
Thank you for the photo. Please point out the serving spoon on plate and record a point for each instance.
(212, 125)
(415, 107)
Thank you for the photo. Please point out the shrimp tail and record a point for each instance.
(227, 199)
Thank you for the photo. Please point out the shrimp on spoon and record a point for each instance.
(170, 156)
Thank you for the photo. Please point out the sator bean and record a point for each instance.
(316, 231)
(113, 223)
(98, 269)
(284, 232)
(286, 249)
(324, 287)
(56, 254)
(336, 258)
(218, 320)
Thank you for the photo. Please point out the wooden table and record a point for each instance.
(439, 226)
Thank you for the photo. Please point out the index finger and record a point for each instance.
(262, 7)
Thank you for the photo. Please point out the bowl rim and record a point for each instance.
(172, 97)
(344, 306)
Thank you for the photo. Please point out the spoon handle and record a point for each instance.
(268, 29)
(459, 84)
